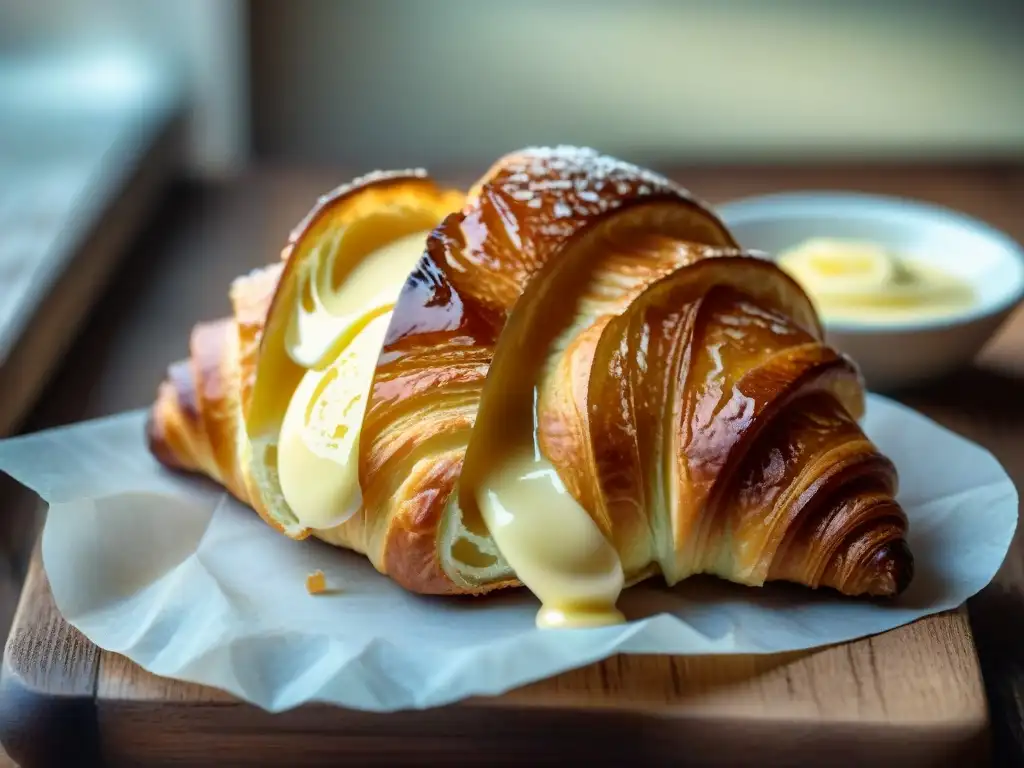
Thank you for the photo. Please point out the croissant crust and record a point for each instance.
(686, 395)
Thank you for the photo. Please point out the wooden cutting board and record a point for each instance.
(909, 697)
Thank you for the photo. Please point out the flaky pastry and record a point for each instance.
(586, 309)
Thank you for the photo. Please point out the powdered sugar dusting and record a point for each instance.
(587, 183)
(531, 202)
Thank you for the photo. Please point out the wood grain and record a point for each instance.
(858, 682)
(911, 696)
(905, 697)
(48, 683)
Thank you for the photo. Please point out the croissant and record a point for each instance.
(572, 378)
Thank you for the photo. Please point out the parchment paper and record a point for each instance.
(192, 585)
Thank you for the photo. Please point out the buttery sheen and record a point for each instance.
(557, 550)
(327, 316)
(550, 541)
(865, 282)
(336, 333)
(317, 450)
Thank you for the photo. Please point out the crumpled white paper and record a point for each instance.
(189, 584)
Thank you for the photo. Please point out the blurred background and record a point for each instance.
(359, 83)
(246, 109)
(151, 150)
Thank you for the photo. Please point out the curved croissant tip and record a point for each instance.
(893, 566)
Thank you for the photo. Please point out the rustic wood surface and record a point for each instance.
(903, 697)
(909, 697)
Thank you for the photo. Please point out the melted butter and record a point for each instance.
(864, 282)
(336, 331)
(317, 450)
(554, 546)
(333, 305)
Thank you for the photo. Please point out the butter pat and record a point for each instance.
(317, 451)
(865, 282)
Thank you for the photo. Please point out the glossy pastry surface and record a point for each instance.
(570, 378)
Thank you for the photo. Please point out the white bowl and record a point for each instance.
(899, 353)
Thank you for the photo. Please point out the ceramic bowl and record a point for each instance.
(909, 352)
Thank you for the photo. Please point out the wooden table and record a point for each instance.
(205, 236)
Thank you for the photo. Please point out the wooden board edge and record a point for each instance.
(141, 733)
(36, 702)
(40, 730)
(158, 728)
(997, 623)
(40, 698)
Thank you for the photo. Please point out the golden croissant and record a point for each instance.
(570, 377)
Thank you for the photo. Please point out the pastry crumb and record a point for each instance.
(316, 583)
